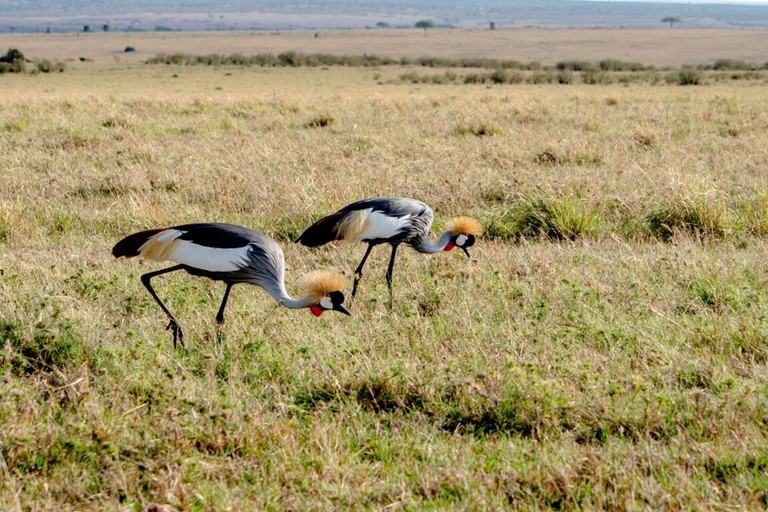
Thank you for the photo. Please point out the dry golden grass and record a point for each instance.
(623, 370)
(660, 48)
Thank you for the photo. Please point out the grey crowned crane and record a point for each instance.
(392, 220)
(232, 254)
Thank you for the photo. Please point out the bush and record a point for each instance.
(506, 77)
(575, 65)
(594, 77)
(542, 77)
(685, 77)
(46, 66)
(617, 65)
(565, 77)
(732, 64)
(13, 62)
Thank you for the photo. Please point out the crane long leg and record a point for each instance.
(220, 314)
(359, 270)
(389, 273)
(173, 325)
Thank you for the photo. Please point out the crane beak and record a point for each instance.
(341, 309)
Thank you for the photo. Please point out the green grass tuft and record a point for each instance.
(545, 215)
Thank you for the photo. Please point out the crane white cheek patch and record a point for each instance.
(326, 303)
(460, 240)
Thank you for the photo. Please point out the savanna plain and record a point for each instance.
(604, 348)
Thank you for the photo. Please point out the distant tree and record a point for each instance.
(425, 24)
(671, 20)
(383, 24)
(105, 27)
(86, 28)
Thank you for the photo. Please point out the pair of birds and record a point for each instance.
(235, 254)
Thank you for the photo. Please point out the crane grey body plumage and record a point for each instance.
(228, 253)
(392, 220)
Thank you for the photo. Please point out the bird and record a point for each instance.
(233, 254)
(392, 220)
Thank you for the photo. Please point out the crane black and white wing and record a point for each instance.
(375, 220)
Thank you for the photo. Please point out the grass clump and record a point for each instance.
(754, 215)
(546, 215)
(695, 215)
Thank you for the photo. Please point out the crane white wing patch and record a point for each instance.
(370, 225)
(166, 246)
(381, 225)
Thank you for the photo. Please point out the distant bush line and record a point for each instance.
(298, 59)
(499, 71)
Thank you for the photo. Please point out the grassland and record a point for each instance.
(605, 348)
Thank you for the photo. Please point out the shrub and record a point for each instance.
(506, 77)
(13, 62)
(46, 66)
(594, 77)
(565, 77)
(475, 78)
(575, 65)
(732, 64)
(617, 65)
(542, 77)
(685, 77)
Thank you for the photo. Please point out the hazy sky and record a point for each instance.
(742, 2)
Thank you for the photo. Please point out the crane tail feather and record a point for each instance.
(129, 246)
(323, 231)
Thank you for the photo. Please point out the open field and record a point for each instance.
(660, 48)
(605, 348)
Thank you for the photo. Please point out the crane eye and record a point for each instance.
(460, 240)
(326, 303)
